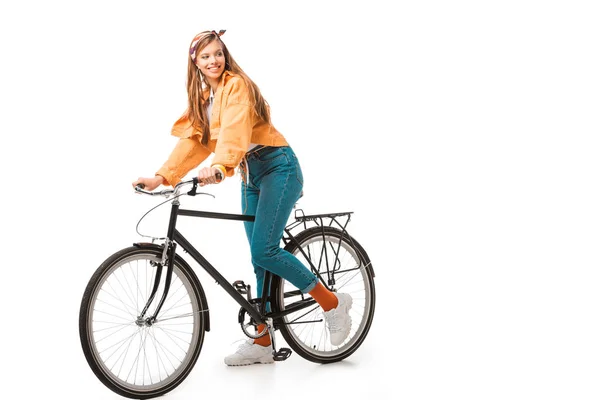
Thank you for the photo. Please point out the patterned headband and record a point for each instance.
(197, 39)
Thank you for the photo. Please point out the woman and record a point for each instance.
(228, 116)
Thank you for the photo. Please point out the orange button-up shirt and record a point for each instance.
(233, 126)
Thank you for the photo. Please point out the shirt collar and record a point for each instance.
(208, 89)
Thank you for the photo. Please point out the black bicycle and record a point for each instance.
(144, 312)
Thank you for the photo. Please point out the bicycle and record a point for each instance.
(144, 313)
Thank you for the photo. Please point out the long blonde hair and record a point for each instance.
(196, 84)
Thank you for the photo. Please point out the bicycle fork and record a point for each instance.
(168, 258)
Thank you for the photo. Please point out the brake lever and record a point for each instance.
(192, 191)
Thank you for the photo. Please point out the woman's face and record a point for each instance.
(211, 60)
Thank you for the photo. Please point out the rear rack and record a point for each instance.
(341, 219)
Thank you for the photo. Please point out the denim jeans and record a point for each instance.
(273, 186)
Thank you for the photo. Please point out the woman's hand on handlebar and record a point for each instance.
(149, 183)
(209, 176)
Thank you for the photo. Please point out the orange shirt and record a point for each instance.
(233, 126)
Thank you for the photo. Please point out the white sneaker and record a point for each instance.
(250, 353)
(338, 320)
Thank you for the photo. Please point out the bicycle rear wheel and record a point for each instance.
(340, 260)
(130, 355)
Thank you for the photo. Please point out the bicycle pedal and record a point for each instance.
(241, 287)
(282, 354)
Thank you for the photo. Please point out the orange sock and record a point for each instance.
(326, 299)
(264, 340)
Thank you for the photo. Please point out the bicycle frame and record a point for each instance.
(174, 238)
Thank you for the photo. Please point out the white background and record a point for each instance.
(462, 134)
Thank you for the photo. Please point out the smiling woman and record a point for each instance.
(228, 116)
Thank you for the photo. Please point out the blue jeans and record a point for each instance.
(273, 186)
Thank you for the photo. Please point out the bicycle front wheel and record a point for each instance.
(131, 355)
(343, 266)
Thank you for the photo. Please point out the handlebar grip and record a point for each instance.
(219, 176)
(140, 185)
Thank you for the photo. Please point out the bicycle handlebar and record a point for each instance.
(176, 189)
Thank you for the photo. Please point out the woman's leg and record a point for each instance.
(274, 185)
(250, 195)
(279, 189)
(279, 180)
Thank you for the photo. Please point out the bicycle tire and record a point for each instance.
(305, 331)
(106, 328)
